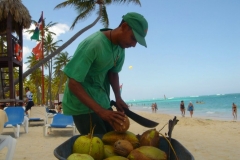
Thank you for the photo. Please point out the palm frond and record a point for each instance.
(104, 19)
(137, 2)
(83, 15)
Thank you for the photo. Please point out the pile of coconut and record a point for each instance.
(118, 145)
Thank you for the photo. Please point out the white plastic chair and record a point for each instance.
(16, 119)
(6, 141)
(10, 143)
(3, 119)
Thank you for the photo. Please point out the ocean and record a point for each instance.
(217, 106)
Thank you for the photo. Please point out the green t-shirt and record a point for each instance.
(92, 60)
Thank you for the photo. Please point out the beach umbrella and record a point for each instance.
(20, 14)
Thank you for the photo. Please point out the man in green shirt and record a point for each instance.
(94, 67)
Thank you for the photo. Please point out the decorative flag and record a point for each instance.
(39, 26)
(37, 51)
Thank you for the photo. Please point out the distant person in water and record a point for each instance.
(190, 108)
(234, 111)
(182, 108)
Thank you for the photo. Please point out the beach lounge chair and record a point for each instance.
(6, 140)
(38, 114)
(10, 143)
(16, 119)
(3, 119)
(50, 114)
(60, 121)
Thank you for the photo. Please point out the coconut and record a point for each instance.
(111, 137)
(123, 147)
(109, 151)
(135, 155)
(116, 158)
(149, 152)
(150, 138)
(87, 144)
(121, 128)
(77, 156)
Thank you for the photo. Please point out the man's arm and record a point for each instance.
(82, 95)
(114, 81)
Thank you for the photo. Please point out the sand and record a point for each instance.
(204, 138)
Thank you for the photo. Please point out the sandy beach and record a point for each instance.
(204, 138)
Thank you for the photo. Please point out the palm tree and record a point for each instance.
(35, 77)
(49, 47)
(85, 8)
(60, 62)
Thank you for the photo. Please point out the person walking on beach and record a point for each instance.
(29, 100)
(152, 107)
(155, 106)
(234, 111)
(182, 108)
(190, 108)
(93, 68)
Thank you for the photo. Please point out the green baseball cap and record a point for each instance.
(139, 26)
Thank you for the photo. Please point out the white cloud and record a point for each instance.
(26, 52)
(26, 35)
(24, 67)
(58, 29)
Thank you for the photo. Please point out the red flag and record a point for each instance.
(37, 51)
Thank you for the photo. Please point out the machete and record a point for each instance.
(137, 118)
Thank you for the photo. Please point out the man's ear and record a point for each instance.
(124, 26)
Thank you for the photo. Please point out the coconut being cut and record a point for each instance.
(122, 128)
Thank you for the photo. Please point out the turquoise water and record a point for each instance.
(213, 107)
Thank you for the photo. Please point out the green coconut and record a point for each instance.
(111, 137)
(77, 156)
(148, 152)
(150, 138)
(109, 151)
(116, 158)
(88, 144)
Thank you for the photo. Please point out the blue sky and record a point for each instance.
(193, 45)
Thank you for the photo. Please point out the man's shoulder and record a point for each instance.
(96, 39)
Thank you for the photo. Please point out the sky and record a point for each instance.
(193, 46)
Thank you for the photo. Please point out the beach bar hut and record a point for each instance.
(14, 17)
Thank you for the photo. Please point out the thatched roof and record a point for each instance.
(20, 13)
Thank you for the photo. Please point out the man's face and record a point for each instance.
(127, 38)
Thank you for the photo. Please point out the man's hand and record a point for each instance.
(112, 117)
(120, 105)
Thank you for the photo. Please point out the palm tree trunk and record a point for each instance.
(43, 61)
(50, 82)
(37, 89)
(59, 85)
